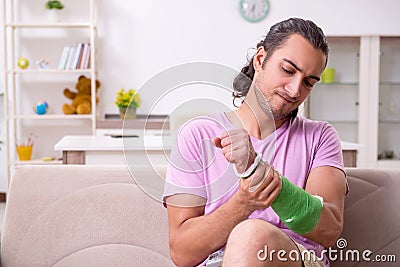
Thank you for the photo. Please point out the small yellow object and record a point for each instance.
(47, 158)
(328, 75)
(23, 63)
(24, 152)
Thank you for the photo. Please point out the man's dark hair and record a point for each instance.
(275, 38)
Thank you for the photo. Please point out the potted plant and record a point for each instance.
(127, 102)
(53, 8)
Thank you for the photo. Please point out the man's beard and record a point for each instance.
(266, 106)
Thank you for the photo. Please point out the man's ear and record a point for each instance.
(259, 58)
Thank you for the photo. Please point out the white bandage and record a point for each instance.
(250, 170)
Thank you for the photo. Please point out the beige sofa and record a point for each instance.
(85, 215)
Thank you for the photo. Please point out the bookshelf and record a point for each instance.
(27, 35)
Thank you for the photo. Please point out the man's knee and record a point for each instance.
(254, 231)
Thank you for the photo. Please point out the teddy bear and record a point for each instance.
(82, 99)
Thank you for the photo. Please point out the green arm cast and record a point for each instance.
(299, 210)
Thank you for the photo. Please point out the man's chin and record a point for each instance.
(278, 116)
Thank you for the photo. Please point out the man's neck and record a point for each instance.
(257, 125)
(256, 122)
(251, 117)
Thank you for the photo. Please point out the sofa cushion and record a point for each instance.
(66, 214)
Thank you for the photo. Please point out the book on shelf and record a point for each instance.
(84, 62)
(88, 63)
(63, 58)
(77, 55)
(70, 58)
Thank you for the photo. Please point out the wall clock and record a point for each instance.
(253, 10)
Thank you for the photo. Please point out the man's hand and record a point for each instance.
(263, 194)
(237, 148)
(262, 188)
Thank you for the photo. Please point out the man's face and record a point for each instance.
(288, 76)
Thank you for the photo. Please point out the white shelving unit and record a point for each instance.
(389, 102)
(338, 102)
(3, 163)
(363, 103)
(28, 36)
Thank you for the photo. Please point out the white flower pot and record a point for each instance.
(127, 113)
(53, 15)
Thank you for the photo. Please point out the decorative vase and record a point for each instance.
(53, 15)
(127, 113)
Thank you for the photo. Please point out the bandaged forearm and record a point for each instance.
(299, 210)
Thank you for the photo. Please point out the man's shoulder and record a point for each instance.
(306, 123)
(309, 127)
(202, 126)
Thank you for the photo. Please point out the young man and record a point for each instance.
(242, 192)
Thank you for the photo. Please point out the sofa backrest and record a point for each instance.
(82, 215)
(371, 218)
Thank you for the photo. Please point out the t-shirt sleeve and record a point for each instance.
(328, 151)
(185, 172)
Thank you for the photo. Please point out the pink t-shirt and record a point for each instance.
(298, 146)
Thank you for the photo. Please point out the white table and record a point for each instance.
(100, 149)
(96, 149)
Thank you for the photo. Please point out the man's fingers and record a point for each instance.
(233, 135)
(217, 142)
(228, 156)
(273, 195)
(272, 186)
(236, 154)
(226, 141)
(234, 147)
(272, 190)
(237, 140)
(233, 132)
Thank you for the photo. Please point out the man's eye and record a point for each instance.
(287, 71)
(308, 84)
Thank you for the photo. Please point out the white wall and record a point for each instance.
(138, 39)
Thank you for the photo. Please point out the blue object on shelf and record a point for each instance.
(41, 107)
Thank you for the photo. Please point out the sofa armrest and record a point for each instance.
(371, 217)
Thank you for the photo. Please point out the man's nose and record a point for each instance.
(293, 87)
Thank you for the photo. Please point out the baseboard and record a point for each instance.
(2, 197)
